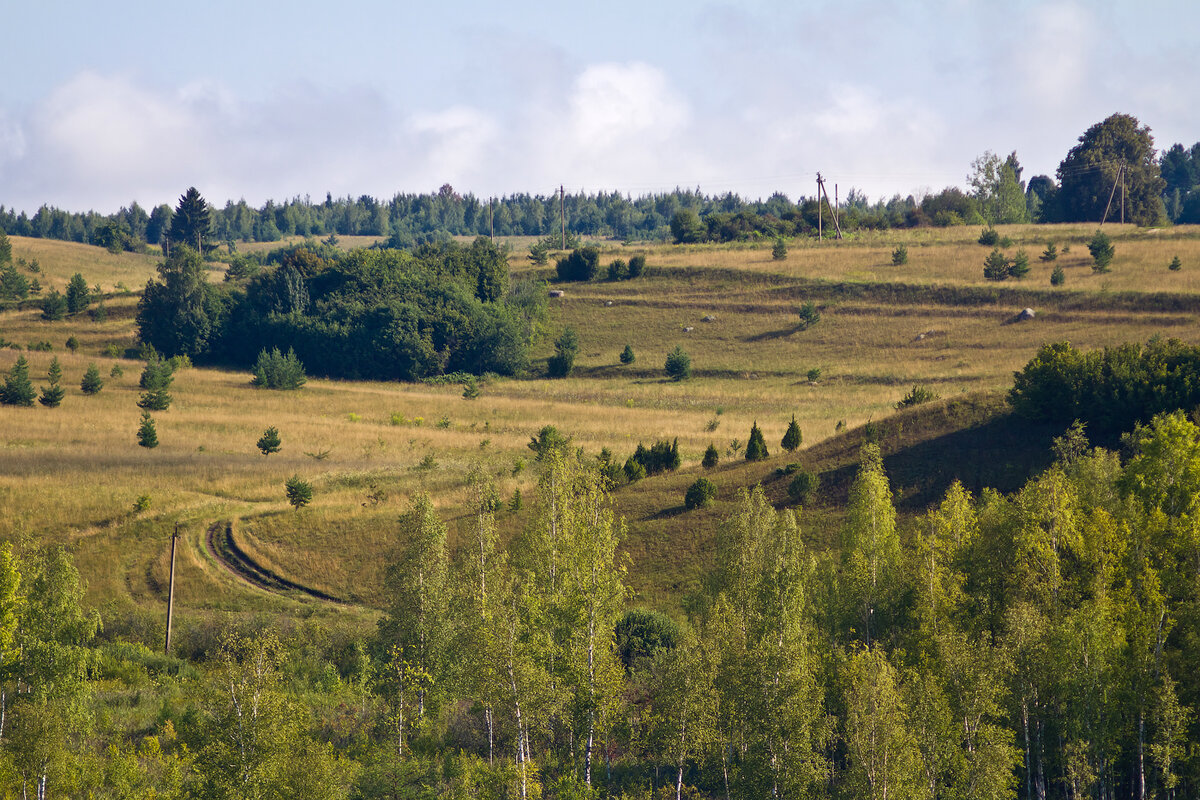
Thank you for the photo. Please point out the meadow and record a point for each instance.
(76, 475)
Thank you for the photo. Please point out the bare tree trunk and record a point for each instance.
(491, 726)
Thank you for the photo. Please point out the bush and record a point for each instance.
(662, 456)
(779, 251)
(917, 395)
(147, 436)
(618, 270)
(581, 265)
(793, 437)
(1057, 276)
(803, 487)
(756, 447)
(1102, 250)
(299, 492)
(989, 237)
(678, 365)
(72, 343)
(547, 440)
(1175, 264)
(899, 256)
(269, 442)
(92, 383)
(18, 391)
(711, 457)
(627, 356)
(54, 306)
(640, 635)
(995, 266)
(700, 494)
(637, 266)
(634, 471)
(809, 316)
(1020, 265)
(275, 370)
(562, 362)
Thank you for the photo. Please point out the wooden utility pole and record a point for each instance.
(171, 589)
(562, 216)
(822, 193)
(1108, 205)
(820, 231)
(1122, 194)
(492, 219)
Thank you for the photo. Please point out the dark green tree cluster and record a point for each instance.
(581, 264)
(275, 370)
(566, 347)
(756, 446)
(662, 456)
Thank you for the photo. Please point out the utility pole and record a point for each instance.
(823, 193)
(820, 232)
(492, 219)
(562, 216)
(1118, 179)
(171, 590)
(1122, 194)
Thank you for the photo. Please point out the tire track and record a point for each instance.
(222, 547)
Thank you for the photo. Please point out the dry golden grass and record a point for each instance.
(72, 474)
(60, 260)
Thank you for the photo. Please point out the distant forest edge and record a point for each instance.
(1117, 152)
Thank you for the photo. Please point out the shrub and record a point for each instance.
(678, 365)
(814, 375)
(269, 442)
(1050, 253)
(756, 446)
(618, 270)
(547, 440)
(580, 265)
(147, 436)
(562, 362)
(54, 306)
(142, 503)
(299, 492)
(1175, 264)
(72, 343)
(809, 316)
(1020, 265)
(18, 391)
(916, 395)
(662, 456)
(116, 371)
(627, 356)
(700, 494)
(1057, 276)
(637, 266)
(989, 237)
(634, 471)
(995, 266)
(899, 256)
(470, 388)
(803, 487)
(275, 370)
(640, 635)
(793, 437)
(92, 383)
(779, 251)
(1102, 250)
(711, 457)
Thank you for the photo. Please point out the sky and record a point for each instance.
(103, 104)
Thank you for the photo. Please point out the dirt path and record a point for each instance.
(222, 546)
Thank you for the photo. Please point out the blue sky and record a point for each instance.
(103, 104)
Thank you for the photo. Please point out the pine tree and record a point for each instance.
(1057, 276)
(299, 492)
(269, 442)
(92, 383)
(53, 394)
(756, 446)
(1175, 264)
(711, 457)
(627, 356)
(678, 365)
(792, 438)
(995, 266)
(156, 380)
(18, 391)
(779, 251)
(78, 295)
(1102, 250)
(54, 306)
(1020, 265)
(147, 436)
(1050, 253)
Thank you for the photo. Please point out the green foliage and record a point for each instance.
(618, 270)
(678, 365)
(803, 487)
(686, 227)
(711, 457)
(627, 356)
(116, 371)
(701, 494)
(470, 388)
(547, 442)
(1175, 264)
(637, 266)
(92, 383)
(566, 347)
(899, 256)
(53, 394)
(1050, 253)
(13, 285)
(191, 224)
(779, 251)
(916, 395)
(1020, 265)
(275, 370)
(989, 237)
(756, 446)
(78, 295)
(1057, 276)
(809, 316)
(1102, 250)
(54, 306)
(72, 343)
(1112, 151)
(157, 377)
(147, 434)
(5, 249)
(181, 312)
(269, 442)
(792, 438)
(813, 375)
(299, 492)
(640, 635)
(995, 266)
(662, 456)
(18, 390)
(581, 264)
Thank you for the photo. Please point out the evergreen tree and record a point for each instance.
(637, 265)
(1175, 264)
(191, 224)
(269, 442)
(78, 295)
(711, 457)
(900, 256)
(1057, 276)
(5, 249)
(54, 306)
(756, 446)
(1050, 253)
(566, 347)
(299, 492)
(92, 383)
(18, 390)
(274, 370)
(1020, 265)
(156, 379)
(1102, 250)
(53, 394)
(147, 436)
(779, 251)
(627, 356)
(678, 365)
(995, 266)
(792, 438)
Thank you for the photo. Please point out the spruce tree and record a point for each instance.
(995, 266)
(18, 391)
(756, 447)
(779, 251)
(1057, 276)
(78, 295)
(147, 436)
(54, 306)
(156, 380)
(711, 457)
(299, 492)
(792, 438)
(627, 356)
(1050, 253)
(1175, 264)
(52, 395)
(678, 365)
(92, 383)
(192, 222)
(269, 442)
(1102, 250)
(1020, 265)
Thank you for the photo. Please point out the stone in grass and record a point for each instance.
(1026, 314)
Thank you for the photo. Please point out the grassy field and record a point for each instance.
(73, 474)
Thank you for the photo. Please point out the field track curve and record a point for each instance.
(225, 550)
